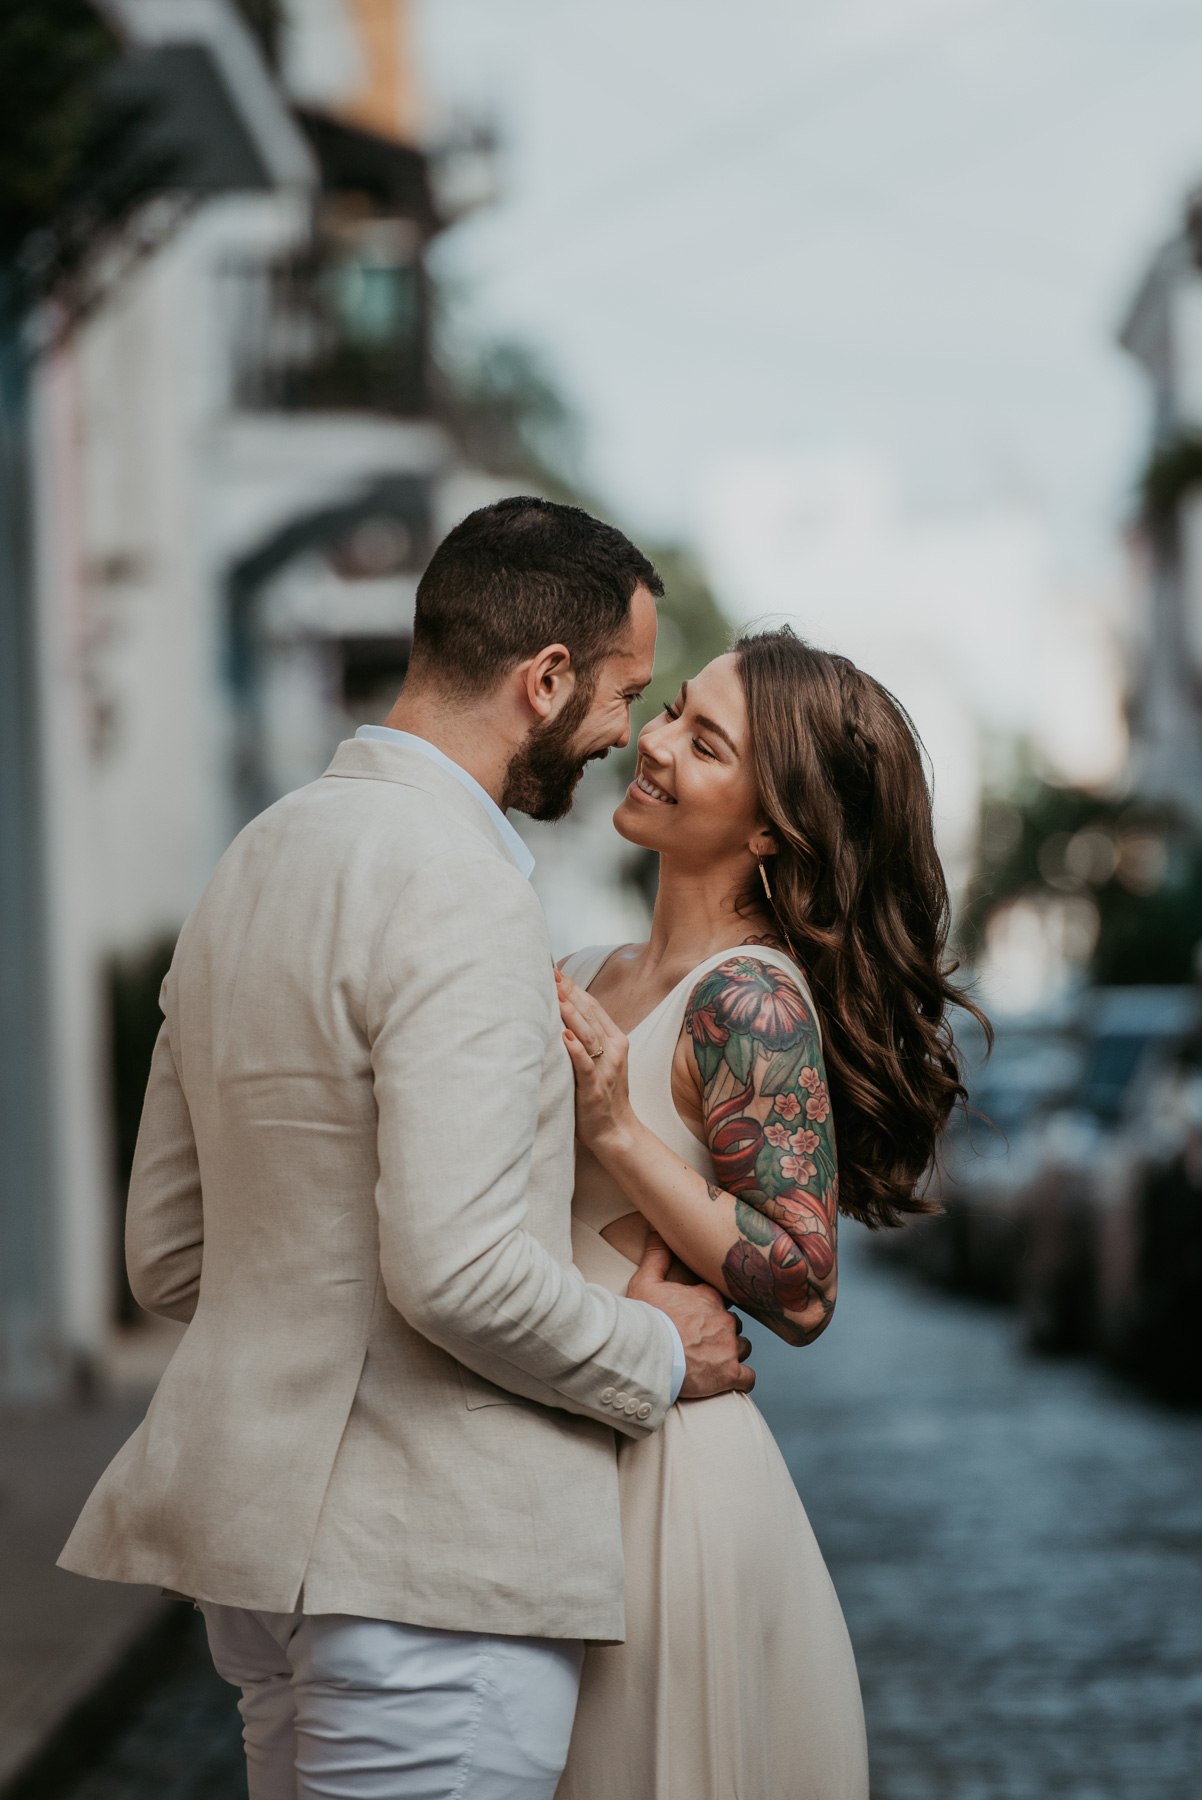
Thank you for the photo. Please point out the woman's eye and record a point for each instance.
(703, 749)
(669, 709)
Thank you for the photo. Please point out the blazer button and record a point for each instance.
(607, 1395)
(632, 1406)
(644, 1411)
(620, 1401)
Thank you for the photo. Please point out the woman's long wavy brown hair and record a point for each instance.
(858, 890)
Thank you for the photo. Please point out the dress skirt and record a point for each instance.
(737, 1679)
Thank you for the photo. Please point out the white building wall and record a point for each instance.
(133, 699)
(81, 1161)
(154, 395)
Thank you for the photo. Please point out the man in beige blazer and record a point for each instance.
(382, 1459)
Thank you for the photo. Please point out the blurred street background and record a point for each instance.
(883, 317)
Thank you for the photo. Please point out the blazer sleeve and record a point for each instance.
(459, 1036)
(164, 1225)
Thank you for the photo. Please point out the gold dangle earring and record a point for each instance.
(772, 904)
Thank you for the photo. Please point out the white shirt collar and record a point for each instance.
(518, 849)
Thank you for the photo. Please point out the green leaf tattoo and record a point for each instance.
(753, 1225)
(771, 1136)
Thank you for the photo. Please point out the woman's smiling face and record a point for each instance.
(694, 794)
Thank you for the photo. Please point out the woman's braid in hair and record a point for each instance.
(862, 747)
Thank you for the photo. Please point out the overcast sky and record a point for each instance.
(908, 226)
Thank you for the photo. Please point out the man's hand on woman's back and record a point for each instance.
(715, 1352)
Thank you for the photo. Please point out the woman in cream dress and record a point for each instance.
(785, 795)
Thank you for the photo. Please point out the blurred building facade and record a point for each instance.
(1163, 332)
(240, 462)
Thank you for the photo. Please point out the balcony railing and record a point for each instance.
(338, 332)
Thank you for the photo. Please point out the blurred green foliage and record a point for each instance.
(52, 53)
(64, 142)
(1139, 865)
(692, 628)
(1174, 470)
(511, 419)
(79, 155)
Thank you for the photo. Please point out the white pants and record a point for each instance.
(337, 1708)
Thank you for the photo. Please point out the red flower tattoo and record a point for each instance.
(819, 1252)
(761, 1001)
(800, 1212)
(704, 1027)
(749, 1277)
(790, 1274)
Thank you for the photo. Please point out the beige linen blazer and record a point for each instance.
(353, 1180)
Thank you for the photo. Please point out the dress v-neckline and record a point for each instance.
(672, 991)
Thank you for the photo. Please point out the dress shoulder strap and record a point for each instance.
(583, 965)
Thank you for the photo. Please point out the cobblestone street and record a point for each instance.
(1017, 1545)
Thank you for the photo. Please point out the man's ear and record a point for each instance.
(547, 680)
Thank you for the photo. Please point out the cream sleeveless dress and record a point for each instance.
(737, 1679)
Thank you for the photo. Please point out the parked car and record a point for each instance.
(1149, 1236)
(990, 1155)
(1081, 1159)
(1059, 1186)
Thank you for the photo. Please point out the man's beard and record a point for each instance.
(542, 776)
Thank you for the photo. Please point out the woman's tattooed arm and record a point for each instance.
(768, 1123)
(763, 1230)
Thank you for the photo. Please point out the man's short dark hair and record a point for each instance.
(516, 576)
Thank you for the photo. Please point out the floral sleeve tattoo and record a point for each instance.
(768, 1122)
